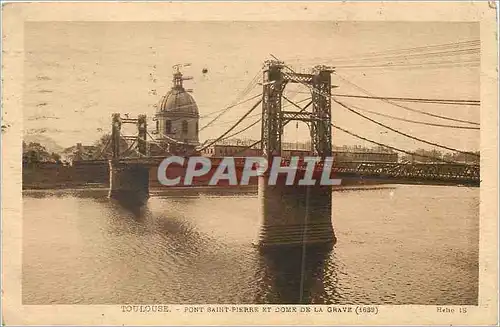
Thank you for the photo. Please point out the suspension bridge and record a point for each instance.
(130, 170)
(273, 119)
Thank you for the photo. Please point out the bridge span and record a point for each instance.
(393, 172)
(309, 223)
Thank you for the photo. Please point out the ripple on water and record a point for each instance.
(403, 245)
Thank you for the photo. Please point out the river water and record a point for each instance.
(397, 244)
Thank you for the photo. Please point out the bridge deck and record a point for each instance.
(457, 173)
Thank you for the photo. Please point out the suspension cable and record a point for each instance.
(298, 112)
(214, 112)
(402, 51)
(172, 139)
(389, 146)
(156, 143)
(413, 121)
(423, 100)
(233, 120)
(242, 130)
(284, 124)
(365, 139)
(249, 87)
(258, 120)
(406, 65)
(103, 148)
(129, 148)
(140, 154)
(407, 108)
(402, 133)
(232, 127)
(407, 135)
(226, 109)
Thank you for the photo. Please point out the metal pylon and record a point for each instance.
(140, 138)
(321, 128)
(274, 118)
(272, 124)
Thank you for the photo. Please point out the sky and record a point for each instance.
(78, 73)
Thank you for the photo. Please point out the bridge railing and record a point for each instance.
(390, 170)
(429, 171)
(414, 170)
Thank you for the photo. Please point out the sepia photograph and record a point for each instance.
(226, 165)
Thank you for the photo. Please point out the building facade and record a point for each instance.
(234, 150)
(221, 150)
(355, 156)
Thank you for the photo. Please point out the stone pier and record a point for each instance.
(128, 181)
(295, 215)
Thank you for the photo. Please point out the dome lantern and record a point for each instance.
(178, 99)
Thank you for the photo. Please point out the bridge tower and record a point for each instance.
(128, 181)
(274, 118)
(295, 215)
(272, 124)
(321, 126)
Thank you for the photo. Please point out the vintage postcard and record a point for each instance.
(264, 163)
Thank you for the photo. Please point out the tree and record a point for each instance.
(34, 152)
(56, 157)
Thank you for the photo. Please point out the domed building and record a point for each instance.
(177, 116)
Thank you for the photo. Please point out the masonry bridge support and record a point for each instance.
(295, 216)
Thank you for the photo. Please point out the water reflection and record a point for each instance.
(293, 275)
(167, 229)
(138, 210)
(296, 240)
(285, 274)
(81, 247)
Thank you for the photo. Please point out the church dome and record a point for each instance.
(178, 99)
